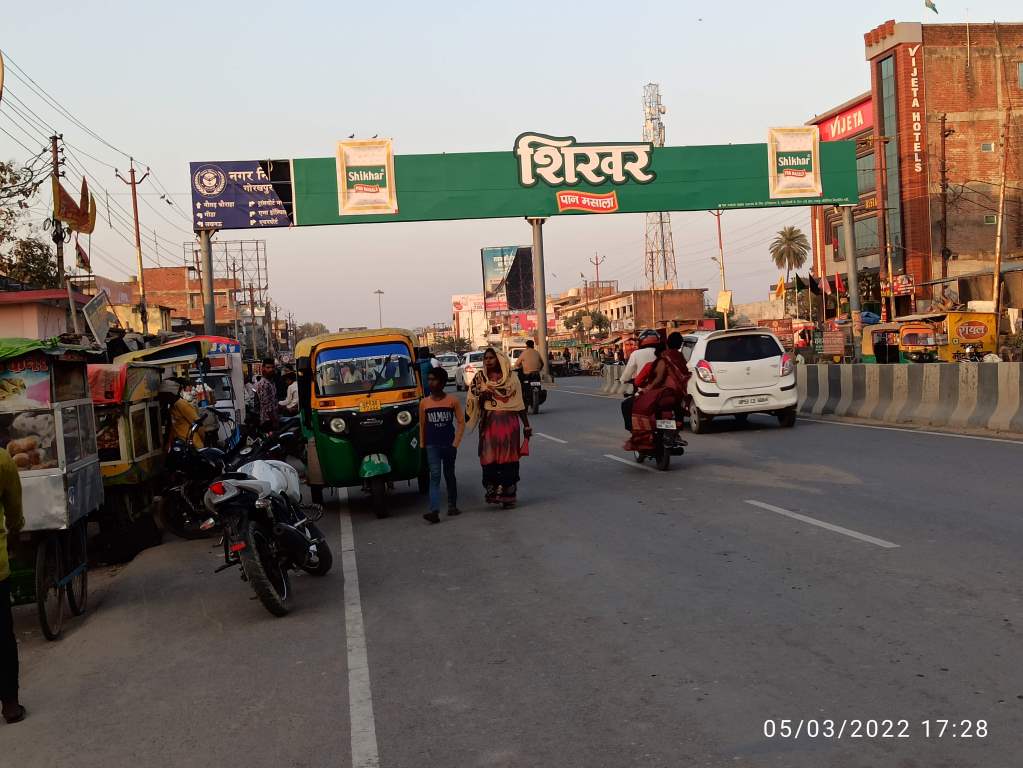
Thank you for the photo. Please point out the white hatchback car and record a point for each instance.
(450, 362)
(471, 363)
(738, 372)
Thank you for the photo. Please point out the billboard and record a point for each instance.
(794, 162)
(508, 278)
(241, 194)
(365, 177)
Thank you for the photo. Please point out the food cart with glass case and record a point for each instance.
(48, 427)
(129, 435)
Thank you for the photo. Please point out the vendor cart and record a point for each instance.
(129, 435)
(48, 428)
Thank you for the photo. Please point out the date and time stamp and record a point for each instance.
(871, 729)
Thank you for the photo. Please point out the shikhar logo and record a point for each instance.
(367, 179)
(209, 181)
(795, 164)
(562, 161)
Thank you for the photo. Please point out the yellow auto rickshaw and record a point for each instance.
(359, 396)
(880, 344)
(945, 336)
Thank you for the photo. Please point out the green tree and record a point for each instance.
(458, 345)
(25, 252)
(789, 250)
(305, 330)
(601, 322)
(31, 261)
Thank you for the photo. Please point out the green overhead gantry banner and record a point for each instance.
(541, 176)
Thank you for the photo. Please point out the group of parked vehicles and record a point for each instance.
(942, 337)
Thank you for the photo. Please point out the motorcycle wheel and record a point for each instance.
(325, 558)
(663, 459)
(172, 517)
(640, 458)
(264, 571)
(378, 491)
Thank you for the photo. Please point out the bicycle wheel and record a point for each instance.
(49, 593)
(76, 556)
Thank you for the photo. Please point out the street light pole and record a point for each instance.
(380, 308)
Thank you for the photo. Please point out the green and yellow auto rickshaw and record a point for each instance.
(359, 396)
(880, 344)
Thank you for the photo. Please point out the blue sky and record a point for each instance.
(173, 83)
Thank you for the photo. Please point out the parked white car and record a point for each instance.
(738, 372)
(472, 363)
(450, 362)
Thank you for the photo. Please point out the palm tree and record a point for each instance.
(789, 250)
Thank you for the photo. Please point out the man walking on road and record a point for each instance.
(441, 427)
(11, 522)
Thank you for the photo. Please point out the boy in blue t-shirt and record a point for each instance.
(441, 425)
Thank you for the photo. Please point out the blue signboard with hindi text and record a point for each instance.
(241, 194)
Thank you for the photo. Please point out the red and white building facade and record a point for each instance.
(972, 76)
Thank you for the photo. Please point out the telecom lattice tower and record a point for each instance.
(659, 254)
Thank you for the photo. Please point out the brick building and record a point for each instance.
(635, 310)
(972, 76)
(181, 289)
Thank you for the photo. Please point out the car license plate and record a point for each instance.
(666, 424)
(758, 400)
(369, 405)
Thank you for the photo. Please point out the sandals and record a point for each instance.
(17, 717)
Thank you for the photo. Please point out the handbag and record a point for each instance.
(524, 448)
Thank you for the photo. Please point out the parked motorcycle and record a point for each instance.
(267, 530)
(192, 469)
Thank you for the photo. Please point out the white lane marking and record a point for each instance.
(913, 431)
(635, 464)
(821, 524)
(360, 696)
(551, 438)
(587, 394)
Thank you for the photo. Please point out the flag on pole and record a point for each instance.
(815, 286)
(839, 285)
(826, 285)
(779, 290)
(800, 285)
(930, 4)
(81, 257)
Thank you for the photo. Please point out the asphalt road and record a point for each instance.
(618, 617)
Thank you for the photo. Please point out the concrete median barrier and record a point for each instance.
(957, 395)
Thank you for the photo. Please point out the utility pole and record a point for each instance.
(996, 285)
(596, 261)
(58, 238)
(380, 307)
(234, 293)
(133, 183)
(721, 257)
(252, 321)
(946, 252)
